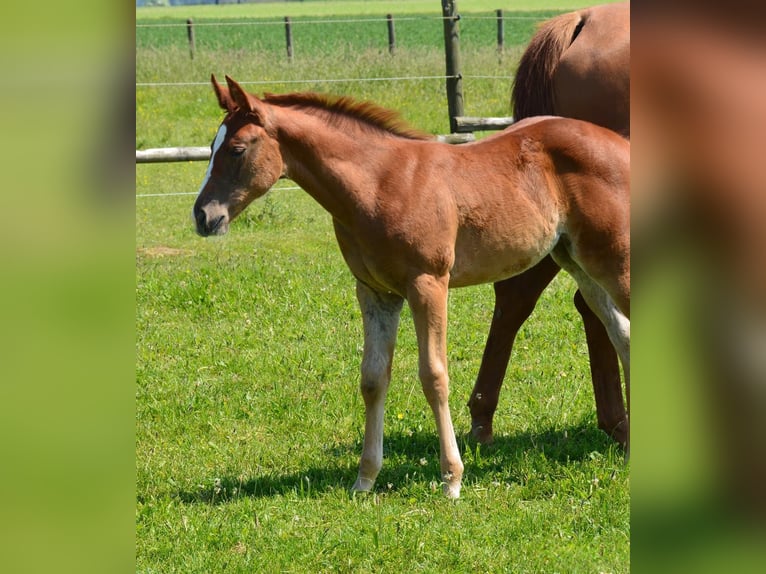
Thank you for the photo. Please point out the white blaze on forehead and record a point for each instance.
(217, 142)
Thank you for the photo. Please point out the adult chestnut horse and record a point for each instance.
(577, 65)
(415, 217)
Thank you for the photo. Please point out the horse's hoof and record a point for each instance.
(618, 432)
(451, 483)
(451, 490)
(362, 485)
(482, 434)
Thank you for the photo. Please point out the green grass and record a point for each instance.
(179, 116)
(249, 420)
(313, 35)
(184, 115)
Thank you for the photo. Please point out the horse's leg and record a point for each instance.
(605, 374)
(515, 299)
(380, 316)
(603, 304)
(427, 297)
(618, 327)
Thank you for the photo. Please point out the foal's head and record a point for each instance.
(245, 160)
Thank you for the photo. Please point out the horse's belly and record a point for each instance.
(491, 271)
(482, 261)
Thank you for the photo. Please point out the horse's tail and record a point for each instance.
(532, 93)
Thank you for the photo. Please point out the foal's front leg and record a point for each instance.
(427, 297)
(380, 315)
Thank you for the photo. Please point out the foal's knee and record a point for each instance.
(371, 389)
(435, 382)
(376, 374)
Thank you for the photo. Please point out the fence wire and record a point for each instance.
(332, 21)
(315, 81)
(293, 21)
(290, 188)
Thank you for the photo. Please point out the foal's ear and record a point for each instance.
(245, 101)
(223, 95)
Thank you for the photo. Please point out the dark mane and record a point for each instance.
(345, 108)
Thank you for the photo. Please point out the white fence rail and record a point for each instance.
(170, 154)
(166, 154)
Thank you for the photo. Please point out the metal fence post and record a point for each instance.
(500, 30)
(289, 38)
(391, 34)
(190, 35)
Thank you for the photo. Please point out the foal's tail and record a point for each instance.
(532, 93)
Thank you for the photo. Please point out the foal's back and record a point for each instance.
(537, 151)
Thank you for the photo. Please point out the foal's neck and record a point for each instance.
(335, 164)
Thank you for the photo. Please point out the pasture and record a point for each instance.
(248, 415)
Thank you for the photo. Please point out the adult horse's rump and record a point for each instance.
(577, 65)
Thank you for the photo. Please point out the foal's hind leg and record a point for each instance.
(603, 304)
(618, 327)
(380, 315)
(605, 374)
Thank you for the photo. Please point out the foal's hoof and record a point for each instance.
(452, 481)
(482, 433)
(362, 485)
(451, 490)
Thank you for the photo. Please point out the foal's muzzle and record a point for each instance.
(210, 221)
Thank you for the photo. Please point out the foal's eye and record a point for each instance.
(237, 151)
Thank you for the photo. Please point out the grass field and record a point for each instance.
(248, 416)
(255, 55)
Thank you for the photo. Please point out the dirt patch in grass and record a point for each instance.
(161, 251)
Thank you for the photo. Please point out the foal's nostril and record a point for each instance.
(199, 218)
(215, 224)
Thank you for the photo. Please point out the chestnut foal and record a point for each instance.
(414, 217)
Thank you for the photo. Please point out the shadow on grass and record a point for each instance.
(413, 457)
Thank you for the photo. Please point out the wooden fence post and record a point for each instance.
(500, 30)
(391, 34)
(289, 38)
(190, 35)
(452, 57)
